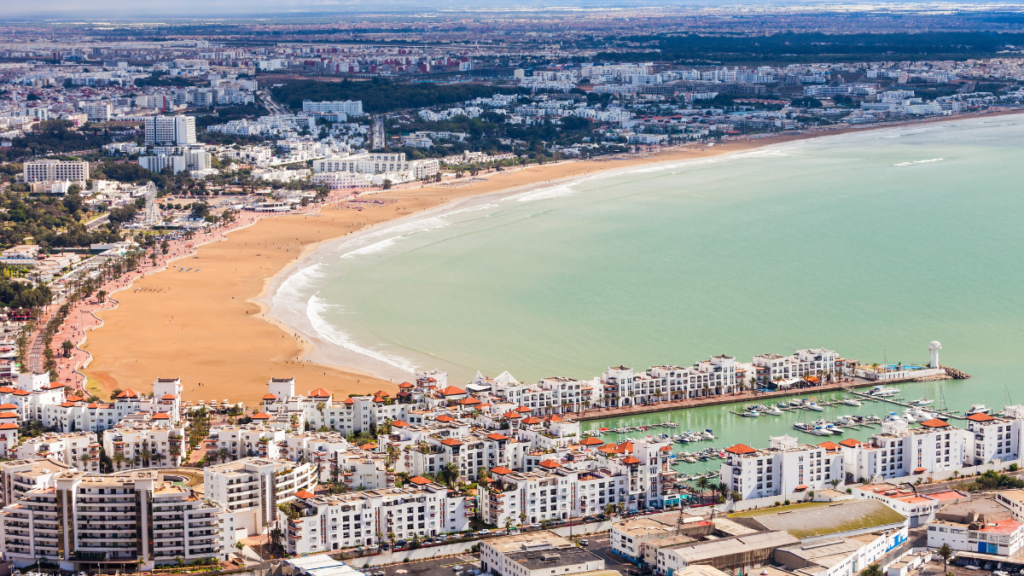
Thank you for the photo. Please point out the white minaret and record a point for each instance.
(934, 347)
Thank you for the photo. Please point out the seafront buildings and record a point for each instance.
(516, 441)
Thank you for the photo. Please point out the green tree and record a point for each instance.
(872, 570)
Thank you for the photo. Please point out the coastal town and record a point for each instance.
(499, 461)
(160, 177)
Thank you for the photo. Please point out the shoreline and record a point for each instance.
(237, 356)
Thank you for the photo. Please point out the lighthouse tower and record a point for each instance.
(934, 348)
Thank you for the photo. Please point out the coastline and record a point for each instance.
(217, 343)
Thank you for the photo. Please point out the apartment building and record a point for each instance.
(128, 516)
(18, 477)
(76, 449)
(540, 553)
(97, 111)
(993, 439)
(378, 163)
(348, 107)
(46, 169)
(809, 362)
(146, 443)
(179, 130)
(421, 509)
(920, 509)
(252, 488)
(786, 467)
(899, 451)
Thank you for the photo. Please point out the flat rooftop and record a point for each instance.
(522, 541)
(553, 558)
(712, 549)
(809, 520)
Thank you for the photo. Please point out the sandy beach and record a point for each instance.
(207, 326)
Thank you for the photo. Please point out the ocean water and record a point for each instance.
(872, 244)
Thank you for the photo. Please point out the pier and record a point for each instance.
(899, 402)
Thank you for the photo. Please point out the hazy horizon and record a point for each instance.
(126, 10)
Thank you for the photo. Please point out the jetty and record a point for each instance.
(899, 402)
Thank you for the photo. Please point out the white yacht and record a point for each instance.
(850, 401)
(977, 409)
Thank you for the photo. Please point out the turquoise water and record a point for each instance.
(872, 244)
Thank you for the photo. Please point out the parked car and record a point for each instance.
(583, 542)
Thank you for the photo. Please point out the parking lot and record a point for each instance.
(452, 566)
(601, 547)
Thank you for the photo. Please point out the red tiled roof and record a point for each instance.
(630, 460)
(349, 401)
(269, 396)
(445, 418)
(531, 420)
(8, 415)
(469, 401)
(980, 417)
(67, 405)
(801, 487)
(609, 449)
(934, 423)
(419, 480)
(828, 445)
(303, 494)
(501, 470)
(161, 416)
(169, 397)
(554, 418)
(451, 442)
(8, 426)
(368, 446)
(740, 449)
(666, 448)
(850, 443)
(261, 416)
(550, 464)
(512, 415)
(400, 423)
(497, 436)
(20, 392)
(129, 393)
(592, 441)
(320, 393)
(405, 385)
(524, 409)
(453, 391)
(8, 407)
(381, 393)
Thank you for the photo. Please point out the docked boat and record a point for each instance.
(782, 405)
(800, 426)
(977, 409)
(820, 431)
(750, 413)
(796, 402)
(774, 411)
(883, 391)
(814, 407)
(850, 401)
(922, 402)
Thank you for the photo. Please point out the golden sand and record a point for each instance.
(205, 328)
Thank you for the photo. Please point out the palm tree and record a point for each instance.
(723, 488)
(85, 460)
(872, 570)
(945, 551)
(223, 454)
(118, 459)
(276, 534)
(609, 509)
(509, 522)
(702, 485)
(146, 455)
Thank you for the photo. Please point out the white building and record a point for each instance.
(251, 488)
(43, 170)
(349, 107)
(786, 467)
(178, 129)
(86, 516)
(540, 553)
(159, 162)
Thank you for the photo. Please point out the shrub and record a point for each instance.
(787, 502)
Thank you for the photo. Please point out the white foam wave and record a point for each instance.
(396, 233)
(547, 193)
(919, 162)
(316, 309)
(302, 279)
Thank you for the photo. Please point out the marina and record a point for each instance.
(846, 413)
